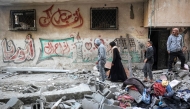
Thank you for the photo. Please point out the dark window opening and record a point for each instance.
(23, 20)
(104, 18)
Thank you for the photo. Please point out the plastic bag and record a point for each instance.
(146, 97)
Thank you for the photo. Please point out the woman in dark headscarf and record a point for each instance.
(117, 72)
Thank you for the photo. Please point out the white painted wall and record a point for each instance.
(133, 27)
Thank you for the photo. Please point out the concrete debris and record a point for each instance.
(136, 95)
(31, 89)
(4, 106)
(174, 83)
(32, 69)
(52, 93)
(14, 103)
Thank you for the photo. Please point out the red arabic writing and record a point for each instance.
(61, 18)
(56, 48)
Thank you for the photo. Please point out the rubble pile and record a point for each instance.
(169, 91)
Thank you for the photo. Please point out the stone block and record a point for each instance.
(164, 70)
(111, 102)
(26, 107)
(182, 74)
(136, 95)
(106, 106)
(14, 103)
(89, 104)
(186, 77)
(98, 97)
(174, 83)
(186, 71)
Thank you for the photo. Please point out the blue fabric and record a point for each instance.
(146, 97)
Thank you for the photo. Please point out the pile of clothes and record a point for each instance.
(159, 95)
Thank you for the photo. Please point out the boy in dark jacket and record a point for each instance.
(149, 61)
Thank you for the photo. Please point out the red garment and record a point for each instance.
(133, 88)
(159, 90)
(125, 101)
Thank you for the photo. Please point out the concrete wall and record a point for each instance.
(68, 47)
(167, 13)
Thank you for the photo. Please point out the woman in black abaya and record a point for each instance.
(117, 72)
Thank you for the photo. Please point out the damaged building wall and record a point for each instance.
(72, 45)
(167, 13)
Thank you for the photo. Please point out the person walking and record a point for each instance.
(174, 48)
(117, 72)
(149, 61)
(101, 58)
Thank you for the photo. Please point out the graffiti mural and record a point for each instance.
(55, 48)
(122, 44)
(79, 52)
(83, 50)
(19, 55)
(88, 45)
(61, 18)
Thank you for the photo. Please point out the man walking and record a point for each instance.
(149, 61)
(101, 58)
(174, 48)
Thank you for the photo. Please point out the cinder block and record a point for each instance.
(186, 71)
(136, 95)
(14, 103)
(111, 102)
(106, 106)
(182, 74)
(186, 77)
(26, 107)
(174, 83)
(164, 70)
(88, 104)
(98, 97)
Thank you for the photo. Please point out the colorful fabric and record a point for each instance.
(159, 90)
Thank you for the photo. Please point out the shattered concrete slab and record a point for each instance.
(174, 83)
(32, 69)
(71, 93)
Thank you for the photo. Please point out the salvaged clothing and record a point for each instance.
(135, 82)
